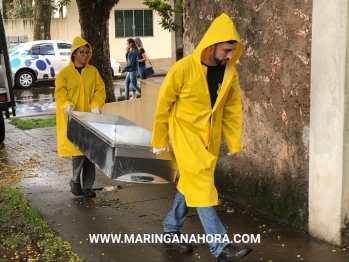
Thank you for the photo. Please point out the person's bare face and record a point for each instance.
(223, 52)
(81, 55)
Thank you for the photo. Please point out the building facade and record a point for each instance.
(127, 19)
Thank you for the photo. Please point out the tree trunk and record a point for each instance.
(42, 20)
(94, 21)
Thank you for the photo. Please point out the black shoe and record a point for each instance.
(232, 254)
(75, 188)
(88, 192)
(170, 239)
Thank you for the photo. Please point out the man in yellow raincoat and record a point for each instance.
(79, 87)
(198, 98)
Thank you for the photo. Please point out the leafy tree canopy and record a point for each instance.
(62, 3)
(25, 8)
(165, 11)
(18, 9)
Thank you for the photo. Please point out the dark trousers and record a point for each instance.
(83, 167)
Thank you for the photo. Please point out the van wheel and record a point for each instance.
(2, 127)
(25, 79)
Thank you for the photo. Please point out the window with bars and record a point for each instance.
(132, 23)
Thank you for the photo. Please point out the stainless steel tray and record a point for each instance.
(120, 148)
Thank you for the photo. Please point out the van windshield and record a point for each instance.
(13, 49)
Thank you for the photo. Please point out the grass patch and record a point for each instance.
(24, 235)
(34, 122)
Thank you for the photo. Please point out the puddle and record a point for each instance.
(28, 102)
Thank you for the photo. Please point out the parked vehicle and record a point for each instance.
(6, 82)
(42, 60)
(115, 66)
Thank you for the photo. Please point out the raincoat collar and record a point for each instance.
(222, 29)
(78, 42)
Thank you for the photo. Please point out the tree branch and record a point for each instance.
(166, 12)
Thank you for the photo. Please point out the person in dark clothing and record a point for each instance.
(142, 58)
(131, 68)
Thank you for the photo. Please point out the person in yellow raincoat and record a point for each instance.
(79, 87)
(198, 98)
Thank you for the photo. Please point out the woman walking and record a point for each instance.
(131, 68)
(141, 59)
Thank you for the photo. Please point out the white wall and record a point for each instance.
(157, 46)
(328, 148)
(25, 27)
(73, 28)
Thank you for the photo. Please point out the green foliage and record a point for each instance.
(21, 9)
(165, 11)
(7, 5)
(62, 3)
(33, 122)
(15, 9)
(24, 235)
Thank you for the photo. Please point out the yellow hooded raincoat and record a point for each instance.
(185, 115)
(83, 91)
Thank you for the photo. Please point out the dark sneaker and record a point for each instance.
(174, 239)
(75, 188)
(88, 192)
(232, 254)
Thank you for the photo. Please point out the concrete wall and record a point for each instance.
(329, 124)
(72, 17)
(141, 110)
(157, 46)
(25, 27)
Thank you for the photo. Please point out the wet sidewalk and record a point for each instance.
(138, 209)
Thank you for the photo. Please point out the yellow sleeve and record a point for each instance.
(61, 92)
(232, 117)
(99, 95)
(168, 93)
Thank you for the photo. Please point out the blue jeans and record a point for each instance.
(209, 220)
(140, 72)
(131, 77)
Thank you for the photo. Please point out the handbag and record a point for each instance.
(149, 70)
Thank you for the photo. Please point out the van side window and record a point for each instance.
(42, 49)
(63, 46)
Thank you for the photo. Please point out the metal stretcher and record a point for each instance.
(119, 148)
